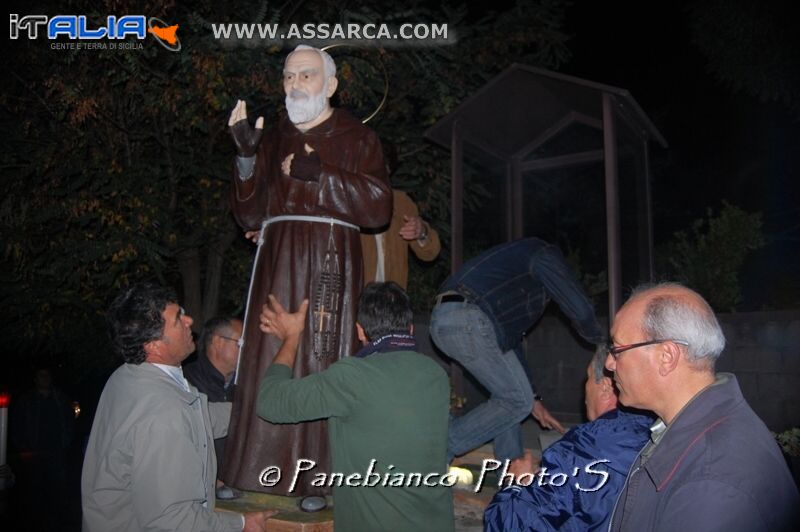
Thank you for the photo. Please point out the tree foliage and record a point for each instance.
(710, 256)
(117, 170)
(751, 46)
(117, 162)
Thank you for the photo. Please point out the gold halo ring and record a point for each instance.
(385, 82)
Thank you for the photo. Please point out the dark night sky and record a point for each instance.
(721, 145)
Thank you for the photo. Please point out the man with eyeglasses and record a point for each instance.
(711, 463)
(212, 374)
(149, 464)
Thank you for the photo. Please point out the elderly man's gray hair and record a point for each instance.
(674, 316)
(327, 60)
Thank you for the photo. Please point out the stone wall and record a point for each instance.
(763, 351)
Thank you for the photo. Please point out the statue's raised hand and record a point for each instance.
(245, 137)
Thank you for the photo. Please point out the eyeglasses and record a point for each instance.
(616, 350)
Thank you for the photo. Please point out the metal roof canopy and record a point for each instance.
(516, 114)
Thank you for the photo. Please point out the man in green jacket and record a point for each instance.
(387, 409)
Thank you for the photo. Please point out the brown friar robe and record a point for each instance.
(298, 260)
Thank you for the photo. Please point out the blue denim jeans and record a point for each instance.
(466, 334)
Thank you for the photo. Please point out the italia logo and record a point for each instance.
(76, 27)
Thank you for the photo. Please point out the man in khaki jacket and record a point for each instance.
(386, 253)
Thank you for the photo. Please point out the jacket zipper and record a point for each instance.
(631, 472)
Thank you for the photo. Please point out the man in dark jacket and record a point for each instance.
(595, 456)
(711, 463)
(212, 374)
(42, 426)
(481, 315)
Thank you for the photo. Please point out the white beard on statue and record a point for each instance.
(303, 108)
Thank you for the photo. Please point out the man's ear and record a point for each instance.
(668, 358)
(215, 346)
(333, 83)
(152, 350)
(411, 330)
(607, 387)
(362, 336)
(608, 394)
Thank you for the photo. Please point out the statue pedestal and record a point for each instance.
(290, 518)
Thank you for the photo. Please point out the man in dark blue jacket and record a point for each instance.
(595, 457)
(481, 315)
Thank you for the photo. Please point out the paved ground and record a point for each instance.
(468, 517)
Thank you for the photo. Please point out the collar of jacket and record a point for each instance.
(705, 412)
(388, 343)
(151, 371)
